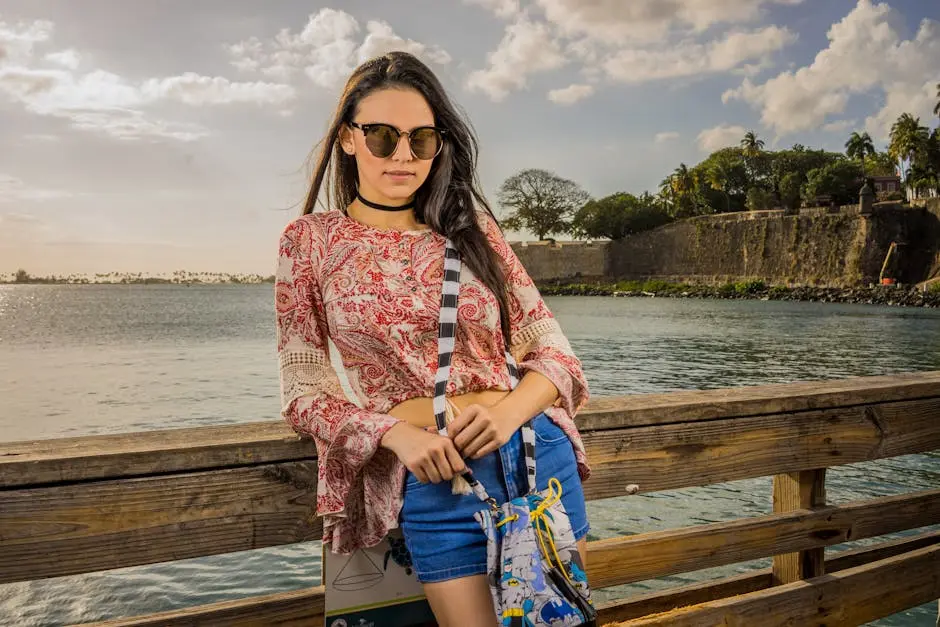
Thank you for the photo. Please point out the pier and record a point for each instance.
(85, 504)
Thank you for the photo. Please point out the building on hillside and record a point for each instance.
(887, 183)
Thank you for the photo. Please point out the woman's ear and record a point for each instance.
(346, 140)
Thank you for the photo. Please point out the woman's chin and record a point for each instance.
(398, 190)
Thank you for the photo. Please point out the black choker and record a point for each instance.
(375, 205)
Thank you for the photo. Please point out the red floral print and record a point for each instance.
(376, 294)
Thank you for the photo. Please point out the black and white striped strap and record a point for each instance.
(447, 331)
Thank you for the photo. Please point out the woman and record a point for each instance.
(368, 275)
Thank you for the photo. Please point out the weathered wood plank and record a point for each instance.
(660, 553)
(666, 600)
(694, 405)
(305, 607)
(700, 453)
(849, 597)
(133, 454)
(47, 532)
(794, 491)
(299, 608)
(653, 457)
(61, 460)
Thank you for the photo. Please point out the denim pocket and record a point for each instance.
(547, 432)
(411, 480)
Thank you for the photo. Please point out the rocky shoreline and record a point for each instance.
(899, 296)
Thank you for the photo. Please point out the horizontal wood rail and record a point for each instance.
(305, 607)
(85, 504)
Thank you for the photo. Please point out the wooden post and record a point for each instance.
(799, 490)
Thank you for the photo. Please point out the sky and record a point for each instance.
(170, 135)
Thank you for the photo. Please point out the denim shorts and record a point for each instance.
(444, 539)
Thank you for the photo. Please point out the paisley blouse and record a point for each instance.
(376, 294)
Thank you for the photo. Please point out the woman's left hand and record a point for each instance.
(479, 430)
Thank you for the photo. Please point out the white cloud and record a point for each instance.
(105, 102)
(501, 8)
(631, 41)
(382, 39)
(246, 55)
(570, 94)
(327, 50)
(721, 136)
(17, 41)
(130, 124)
(666, 136)
(866, 52)
(193, 89)
(66, 58)
(14, 189)
(622, 22)
(694, 59)
(527, 47)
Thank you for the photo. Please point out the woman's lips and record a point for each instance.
(399, 175)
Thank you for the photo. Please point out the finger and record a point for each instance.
(471, 432)
(456, 462)
(462, 420)
(443, 465)
(488, 448)
(431, 470)
(478, 442)
(420, 474)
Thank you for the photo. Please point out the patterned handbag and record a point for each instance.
(535, 572)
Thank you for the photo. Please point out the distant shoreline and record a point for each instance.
(890, 295)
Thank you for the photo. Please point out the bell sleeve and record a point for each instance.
(537, 342)
(313, 402)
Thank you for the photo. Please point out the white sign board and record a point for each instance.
(374, 587)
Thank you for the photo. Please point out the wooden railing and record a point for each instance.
(85, 504)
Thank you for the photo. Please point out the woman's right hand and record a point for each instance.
(431, 457)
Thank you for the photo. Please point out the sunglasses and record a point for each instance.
(382, 140)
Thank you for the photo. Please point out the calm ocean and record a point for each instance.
(80, 360)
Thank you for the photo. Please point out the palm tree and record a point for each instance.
(718, 176)
(908, 138)
(665, 192)
(751, 144)
(751, 147)
(936, 107)
(859, 146)
(684, 183)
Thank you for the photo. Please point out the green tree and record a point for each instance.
(665, 195)
(841, 180)
(751, 146)
(540, 201)
(723, 179)
(759, 199)
(684, 187)
(859, 146)
(882, 164)
(790, 190)
(619, 215)
(908, 139)
(22, 276)
(936, 107)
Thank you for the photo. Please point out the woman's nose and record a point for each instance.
(403, 149)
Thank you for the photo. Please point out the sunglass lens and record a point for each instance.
(425, 143)
(381, 140)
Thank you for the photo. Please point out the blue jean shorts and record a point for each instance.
(444, 539)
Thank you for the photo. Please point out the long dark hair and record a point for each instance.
(448, 199)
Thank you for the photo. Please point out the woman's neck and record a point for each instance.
(402, 220)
